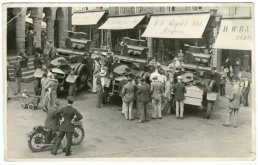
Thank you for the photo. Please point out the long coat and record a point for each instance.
(179, 90)
(143, 92)
(68, 114)
(52, 85)
(235, 98)
(43, 89)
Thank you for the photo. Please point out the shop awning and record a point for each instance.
(87, 18)
(121, 23)
(177, 25)
(235, 34)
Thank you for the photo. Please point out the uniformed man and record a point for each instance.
(70, 115)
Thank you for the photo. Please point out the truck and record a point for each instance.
(67, 64)
(197, 73)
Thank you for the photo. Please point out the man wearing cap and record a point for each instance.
(143, 97)
(70, 115)
(18, 73)
(156, 95)
(179, 91)
(128, 96)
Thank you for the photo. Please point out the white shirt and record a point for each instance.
(156, 74)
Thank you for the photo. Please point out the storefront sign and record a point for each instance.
(177, 26)
(235, 34)
(120, 23)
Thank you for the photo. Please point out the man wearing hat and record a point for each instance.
(179, 91)
(18, 73)
(70, 115)
(143, 97)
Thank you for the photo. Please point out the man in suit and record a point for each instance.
(70, 115)
(18, 73)
(234, 104)
(128, 96)
(179, 90)
(143, 97)
(156, 95)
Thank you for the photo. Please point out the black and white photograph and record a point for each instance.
(153, 81)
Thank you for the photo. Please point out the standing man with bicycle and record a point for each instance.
(70, 115)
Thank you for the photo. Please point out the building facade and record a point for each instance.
(57, 19)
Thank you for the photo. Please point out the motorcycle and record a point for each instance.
(41, 138)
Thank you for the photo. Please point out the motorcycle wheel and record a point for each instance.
(78, 135)
(36, 141)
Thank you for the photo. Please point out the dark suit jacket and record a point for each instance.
(52, 120)
(128, 94)
(68, 113)
(143, 92)
(179, 90)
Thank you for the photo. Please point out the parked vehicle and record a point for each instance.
(133, 58)
(196, 73)
(69, 60)
(37, 137)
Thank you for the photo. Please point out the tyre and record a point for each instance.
(37, 141)
(31, 107)
(209, 109)
(78, 135)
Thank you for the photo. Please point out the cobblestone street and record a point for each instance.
(108, 134)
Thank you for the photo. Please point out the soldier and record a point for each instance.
(18, 73)
(70, 115)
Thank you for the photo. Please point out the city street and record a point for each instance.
(109, 135)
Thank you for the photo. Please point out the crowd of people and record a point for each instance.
(160, 87)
